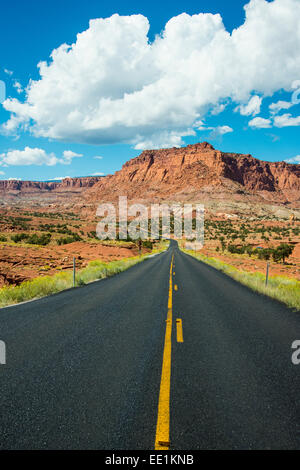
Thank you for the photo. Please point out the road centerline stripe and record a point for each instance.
(179, 330)
(162, 438)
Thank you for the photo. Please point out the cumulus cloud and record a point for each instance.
(276, 107)
(112, 85)
(286, 120)
(161, 140)
(215, 131)
(221, 130)
(260, 123)
(293, 160)
(252, 108)
(35, 156)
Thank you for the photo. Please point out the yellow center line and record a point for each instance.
(162, 438)
(176, 287)
(179, 330)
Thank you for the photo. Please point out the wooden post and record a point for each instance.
(267, 274)
(74, 271)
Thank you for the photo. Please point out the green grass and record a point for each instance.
(284, 289)
(48, 285)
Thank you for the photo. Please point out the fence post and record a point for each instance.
(267, 274)
(74, 271)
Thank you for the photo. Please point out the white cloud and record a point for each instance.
(260, 123)
(221, 130)
(28, 156)
(218, 109)
(8, 72)
(14, 179)
(2, 173)
(293, 160)
(286, 120)
(276, 107)
(67, 157)
(17, 85)
(35, 156)
(59, 178)
(112, 85)
(215, 131)
(252, 108)
(98, 174)
(98, 157)
(162, 139)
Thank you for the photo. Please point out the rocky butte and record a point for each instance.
(196, 173)
(200, 173)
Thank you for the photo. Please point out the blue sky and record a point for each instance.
(122, 88)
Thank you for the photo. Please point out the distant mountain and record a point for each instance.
(196, 173)
(66, 184)
(199, 172)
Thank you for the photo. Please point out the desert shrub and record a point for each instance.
(240, 250)
(19, 237)
(147, 244)
(42, 240)
(66, 240)
(263, 253)
(282, 252)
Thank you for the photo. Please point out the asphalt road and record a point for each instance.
(84, 367)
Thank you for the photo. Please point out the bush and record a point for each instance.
(42, 240)
(264, 253)
(66, 240)
(282, 252)
(148, 244)
(19, 237)
(240, 250)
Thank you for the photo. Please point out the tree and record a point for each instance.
(282, 252)
(223, 244)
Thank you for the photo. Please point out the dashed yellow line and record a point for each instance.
(179, 330)
(162, 438)
(176, 287)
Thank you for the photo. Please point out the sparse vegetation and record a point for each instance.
(71, 239)
(33, 239)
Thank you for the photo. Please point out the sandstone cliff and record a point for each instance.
(199, 171)
(7, 186)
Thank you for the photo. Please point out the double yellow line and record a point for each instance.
(162, 439)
